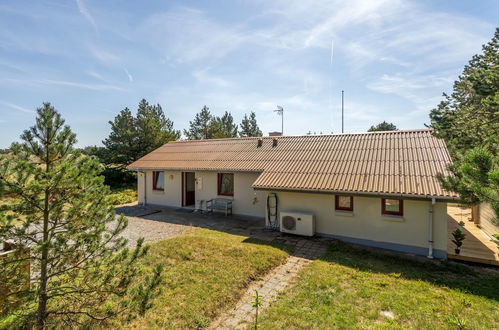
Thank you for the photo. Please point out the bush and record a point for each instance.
(119, 178)
(122, 196)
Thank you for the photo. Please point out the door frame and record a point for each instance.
(184, 188)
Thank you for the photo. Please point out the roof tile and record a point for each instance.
(394, 162)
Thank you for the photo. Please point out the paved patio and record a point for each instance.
(156, 223)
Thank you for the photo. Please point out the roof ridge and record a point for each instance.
(306, 135)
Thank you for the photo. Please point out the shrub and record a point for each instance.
(122, 196)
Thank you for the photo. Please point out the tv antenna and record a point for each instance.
(280, 112)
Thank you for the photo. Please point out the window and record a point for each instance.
(158, 181)
(226, 184)
(392, 206)
(343, 203)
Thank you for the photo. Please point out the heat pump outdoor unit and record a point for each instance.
(298, 223)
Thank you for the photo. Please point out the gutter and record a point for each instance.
(366, 194)
(140, 169)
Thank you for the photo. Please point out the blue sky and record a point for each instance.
(91, 59)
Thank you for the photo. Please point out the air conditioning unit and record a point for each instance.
(298, 223)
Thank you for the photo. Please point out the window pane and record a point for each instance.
(160, 180)
(392, 205)
(344, 202)
(227, 184)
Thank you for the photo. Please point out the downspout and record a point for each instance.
(430, 229)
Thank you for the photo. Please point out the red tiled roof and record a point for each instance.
(392, 162)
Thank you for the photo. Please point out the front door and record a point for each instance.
(189, 189)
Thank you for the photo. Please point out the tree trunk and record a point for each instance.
(41, 314)
(42, 299)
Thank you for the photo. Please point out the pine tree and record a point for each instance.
(384, 126)
(133, 137)
(223, 127)
(201, 127)
(153, 128)
(468, 121)
(469, 117)
(249, 126)
(78, 259)
(122, 143)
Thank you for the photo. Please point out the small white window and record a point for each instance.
(158, 180)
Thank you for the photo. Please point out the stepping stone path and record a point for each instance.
(269, 287)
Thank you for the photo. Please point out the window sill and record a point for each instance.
(344, 213)
(229, 197)
(393, 218)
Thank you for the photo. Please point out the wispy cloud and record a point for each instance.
(205, 77)
(101, 54)
(416, 88)
(191, 35)
(130, 77)
(98, 87)
(84, 11)
(16, 107)
(45, 82)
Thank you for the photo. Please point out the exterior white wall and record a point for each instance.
(141, 187)
(366, 224)
(206, 188)
(171, 196)
(247, 201)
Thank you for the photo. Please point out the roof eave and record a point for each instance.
(438, 198)
(184, 169)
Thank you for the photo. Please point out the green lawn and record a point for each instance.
(205, 272)
(352, 288)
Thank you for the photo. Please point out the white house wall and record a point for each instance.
(366, 225)
(247, 201)
(171, 196)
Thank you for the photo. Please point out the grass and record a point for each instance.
(355, 288)
(205, 272)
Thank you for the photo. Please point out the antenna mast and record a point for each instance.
(342, 111)
(280, 112)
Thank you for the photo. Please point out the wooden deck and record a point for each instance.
(478, 246)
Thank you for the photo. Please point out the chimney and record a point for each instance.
(259, 143)
(275, 133)
(274, 142)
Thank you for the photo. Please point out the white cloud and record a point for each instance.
(100, 87)
(205, 77)
(130, 77)
(84, 11)
(67, 83)
(418, 89)
(102, 55)
(17, 107)
(96, 75)
(188, 35)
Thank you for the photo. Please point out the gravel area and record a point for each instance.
(151, 230)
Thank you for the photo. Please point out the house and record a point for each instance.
(378, 189)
